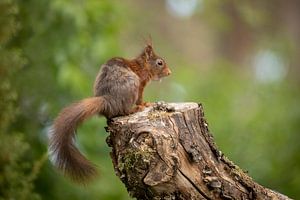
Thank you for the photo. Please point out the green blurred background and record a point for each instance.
(240, 59)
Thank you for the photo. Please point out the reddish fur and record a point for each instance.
(118, 76)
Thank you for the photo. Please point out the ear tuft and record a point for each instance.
(149, 40)
(148, 50)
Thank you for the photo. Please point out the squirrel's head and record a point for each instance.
(156, 65)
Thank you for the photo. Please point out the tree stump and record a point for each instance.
(167, 152)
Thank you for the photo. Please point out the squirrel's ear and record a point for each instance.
(148, 51)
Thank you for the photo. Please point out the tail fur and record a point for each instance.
(63, 152)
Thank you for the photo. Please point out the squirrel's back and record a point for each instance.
(117, 83)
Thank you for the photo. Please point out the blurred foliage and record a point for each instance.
(239, 58)
(16, 170)
(55, 54)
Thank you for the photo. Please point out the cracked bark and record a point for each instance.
(167, 152)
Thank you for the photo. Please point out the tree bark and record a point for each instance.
(167, 152)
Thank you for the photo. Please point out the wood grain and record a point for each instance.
(167, 152)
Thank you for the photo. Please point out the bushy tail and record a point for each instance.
(63, 152)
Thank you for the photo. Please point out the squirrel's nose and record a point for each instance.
(168, 72)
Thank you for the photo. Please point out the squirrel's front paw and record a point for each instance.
(137, 108)
(147, 104)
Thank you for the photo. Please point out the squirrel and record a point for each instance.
(118, 91)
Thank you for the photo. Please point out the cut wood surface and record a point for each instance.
(167, 152)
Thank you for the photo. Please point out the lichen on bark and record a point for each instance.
(167, 152)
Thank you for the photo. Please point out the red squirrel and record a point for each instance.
(118, 91)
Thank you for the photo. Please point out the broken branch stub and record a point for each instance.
(167, 152)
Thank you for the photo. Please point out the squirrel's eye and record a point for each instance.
(159, 62)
